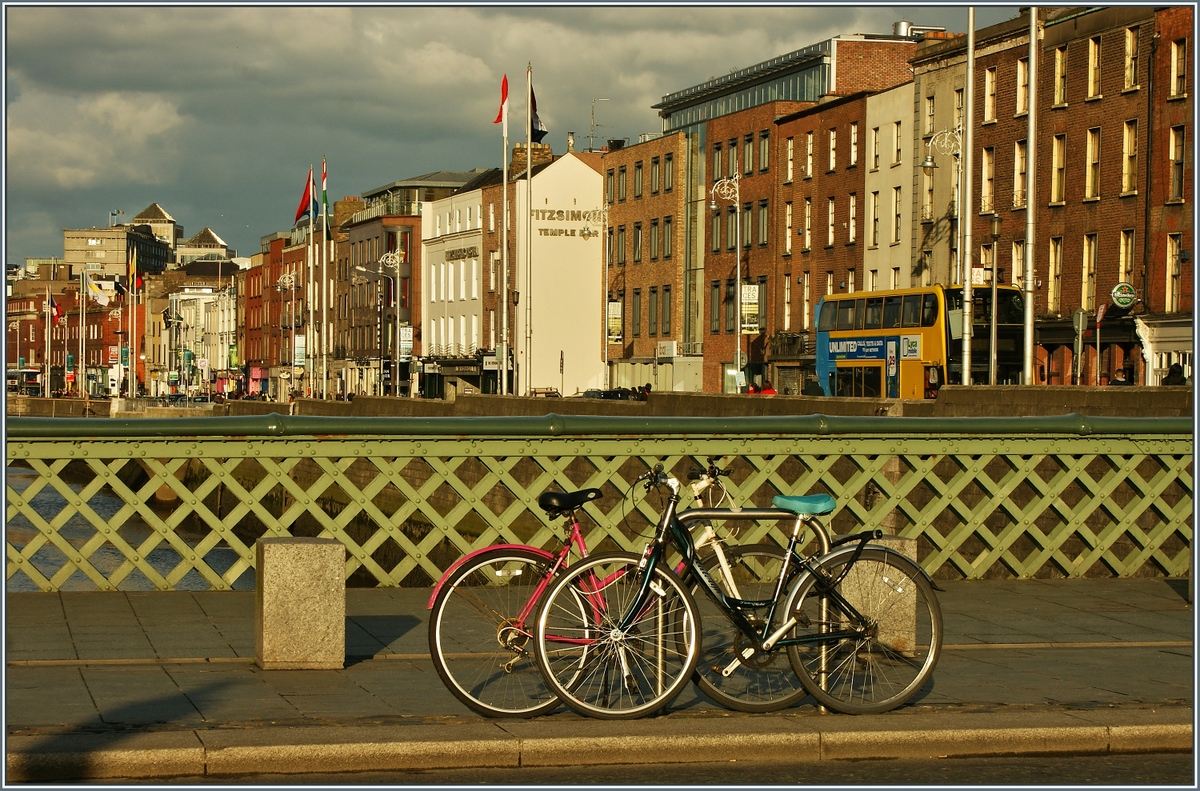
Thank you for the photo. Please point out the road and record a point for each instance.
(1147, 769)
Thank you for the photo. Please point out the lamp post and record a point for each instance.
(392, 261)
(288, 281)
(364, 275)
(992, 327)
(729, 190)
(948, 142)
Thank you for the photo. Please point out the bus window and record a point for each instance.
(1011, 309)
(860, 381)
(845, 314)
(929, 313)
(827, 319)
(910, 315)
(859, 311)
(874, 314)
(891, 313)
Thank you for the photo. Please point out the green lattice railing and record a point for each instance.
(132, 503)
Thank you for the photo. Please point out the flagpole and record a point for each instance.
(528, 224)
(133, 344)
(325, 283)
(503, 346)
(308, 282)
(49, 320)
(83, 291)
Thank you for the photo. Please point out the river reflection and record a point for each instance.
(78, 531)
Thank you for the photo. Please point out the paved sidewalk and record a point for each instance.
(164, 684)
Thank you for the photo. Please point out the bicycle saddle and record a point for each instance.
(809, 505)
(561, 502)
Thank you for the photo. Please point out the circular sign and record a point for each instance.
(1123, 295)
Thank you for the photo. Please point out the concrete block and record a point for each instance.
(300, 604)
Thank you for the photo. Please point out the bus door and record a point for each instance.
(891, 369)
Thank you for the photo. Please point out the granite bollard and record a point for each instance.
(300, 604)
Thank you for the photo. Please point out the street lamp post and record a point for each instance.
(392, 261)
(288, 281)
(992, 326)
(949, 142)
(729, 189)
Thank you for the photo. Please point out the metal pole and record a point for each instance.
(968, 312)
(1030, 199)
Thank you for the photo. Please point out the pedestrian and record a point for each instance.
(1119, 379)
(1174, 375)
(766, 388)
(752, 389)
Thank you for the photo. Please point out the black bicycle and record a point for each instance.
(618, 635)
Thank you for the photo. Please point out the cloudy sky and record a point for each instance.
(217, 112)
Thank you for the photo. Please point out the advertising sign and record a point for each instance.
(750, 309)
(1124, 295)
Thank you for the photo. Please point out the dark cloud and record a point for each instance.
(216, 112)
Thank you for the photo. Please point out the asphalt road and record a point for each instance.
(1109, 770)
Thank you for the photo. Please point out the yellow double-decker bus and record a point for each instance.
(907, 343)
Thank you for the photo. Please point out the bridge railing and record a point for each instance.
(178, 503)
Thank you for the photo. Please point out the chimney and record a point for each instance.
(541, 155)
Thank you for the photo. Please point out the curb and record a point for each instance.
(565, 742)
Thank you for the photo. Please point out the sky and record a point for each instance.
(216, 112)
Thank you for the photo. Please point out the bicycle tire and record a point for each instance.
(885, 667)
(481, 654)
(600, 671)
(765, 681)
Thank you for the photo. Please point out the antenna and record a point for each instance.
(592, 135)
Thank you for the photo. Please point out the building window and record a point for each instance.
(620, 245)
(1179, 52)
(636, 310)
(895, 278)
(853, 226)
(830, 224)
(716, 232)
(1125, 264)
(1022, 86)
(716, 167)
(1088, 297)
(873, 235)
(1129, 172)
(1018, 261)
(668, 172)
(791, 145)
(1176, 151)
(655, 174)
(654, 240)
(747, 228)
(926, 197)
(874, 141)
(1091, 185)
(807, 224)
(787, 301)
(897, 206)
(808, 155)
(665, 312)
(621, 184)
(748, 154)
(1058, 169)
(1174, 271)
(987, 181)
(929, 123)
(787, 228)
(806, 297)
(637, 179)
(1060, 75)
(853, 144)
(898, 140)
(764, 150)
(1093, 86)
(637, 242)
(652, 305)
(714, 307)
(926, 269)
(828, 282)
(1054, 275)
(1019, 174)
(731, 303)
(832, 149)
(960, 108)
(1131, 57)
(667, 237)
(762, 222)
(731, 228)
(731, 159)
(989, 94)
(849, 281)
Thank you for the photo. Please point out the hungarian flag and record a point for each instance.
(537, 130)
(308, 201)
(502, 116)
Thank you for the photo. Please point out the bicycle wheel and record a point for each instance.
(481, 647)
(596, 668)
(890, 656)
(765, 681)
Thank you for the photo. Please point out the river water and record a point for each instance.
(78, 531)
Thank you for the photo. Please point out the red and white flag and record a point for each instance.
(502, 116)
